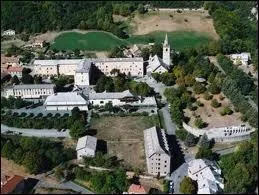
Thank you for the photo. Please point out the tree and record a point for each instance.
(108, 106)
(76, 130)
(38, 80)
(199, 123)
(199, 88)
(204, 141)
(75, 112)
(190, 140)
(207, 96)
(141, 9)
(27, 79)
(214, 89)
(77, 52)
(7, 150)
(33, 162)
(215, 103)
(188, 186)
(15, 80)
(204, 152)
(157, 49)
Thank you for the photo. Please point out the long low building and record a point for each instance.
(129, 66)
(30, 90)
(157, 152)
(66, 101)
(56, 67)
(223, 134)
(120, 99)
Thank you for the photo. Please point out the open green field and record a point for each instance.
(104, 41)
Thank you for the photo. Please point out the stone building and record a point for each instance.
(30, 91)
(157, 154)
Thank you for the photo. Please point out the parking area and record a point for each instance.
(41, 109)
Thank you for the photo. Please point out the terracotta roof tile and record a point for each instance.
(11, 184)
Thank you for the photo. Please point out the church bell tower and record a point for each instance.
(166, 52)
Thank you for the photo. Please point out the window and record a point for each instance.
(101, 102)
(165, 161)
(165, 166)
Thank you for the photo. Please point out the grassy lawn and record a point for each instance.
(103, 41)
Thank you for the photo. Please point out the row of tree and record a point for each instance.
(35, 154)
(121, 83)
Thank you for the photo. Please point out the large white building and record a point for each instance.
(158, 65)
(66, 101)
(82, 73)
(242, 58)
(30, 91)
(207, 174)
(86, 146)
(223, 134)
(9, 32)
(157, 152)
(132, 66)
(120, 99)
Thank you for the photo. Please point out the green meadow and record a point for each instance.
(104, 41)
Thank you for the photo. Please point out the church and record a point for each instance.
(158, 65)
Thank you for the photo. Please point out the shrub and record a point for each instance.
(181, 134)
(190, 140)
(23, 114)
(200, 104)
(40, 115)
(199, 123)
(15, 114)
(207, 96)
(214, 89)
(227, 110)
(188, 186)
(49, 115)
(199, 88)
(215, 103)
(57, 115)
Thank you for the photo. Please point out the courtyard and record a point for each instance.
(124, 137)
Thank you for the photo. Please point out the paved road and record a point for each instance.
(170, 126)
(36, 132)
(76, 187)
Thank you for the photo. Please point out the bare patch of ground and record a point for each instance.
(185, 21)
(101, 54)
(9, 43)
(124, 137)
(10, 168)
(119, 18)
(212, 115)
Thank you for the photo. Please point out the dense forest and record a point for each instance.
(35, 154)
(41, 16)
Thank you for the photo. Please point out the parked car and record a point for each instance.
(171, 187)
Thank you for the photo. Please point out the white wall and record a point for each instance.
(82, 79)
(82, 107)
(85, 152)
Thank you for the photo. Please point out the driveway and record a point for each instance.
(36, 132)
(170, 126)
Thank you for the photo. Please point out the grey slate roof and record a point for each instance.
(155, 141)
(86, 142)
(110, 95)
(83, 66)
(34, 86)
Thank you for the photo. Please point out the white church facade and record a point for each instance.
(158, 65)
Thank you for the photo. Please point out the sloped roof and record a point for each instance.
(155, 141)
(57, 62)
(86, 142)
(15, 69)
(110, 95)
(83, 66)
(67, 98)
(34, 86)
(138, 189)
(155, 62)
(11, 184)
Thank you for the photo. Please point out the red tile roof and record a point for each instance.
(15, 69)
(138, 189)
(11, 184)
(11, 59)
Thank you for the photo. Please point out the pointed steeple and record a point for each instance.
(166, 40)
